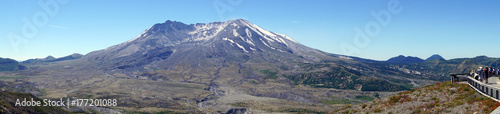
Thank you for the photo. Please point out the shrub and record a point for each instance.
(270, 74)
(399, 98)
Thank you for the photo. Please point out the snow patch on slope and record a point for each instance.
(266, 44)
(286, 37)
(206, 31)
(232, 42)
(344, 57)
(242, 48)
(235, 25)
(248, 41)
(228, 40)
(280, 50)
(235, 33)
(249, 34)
(269, 36)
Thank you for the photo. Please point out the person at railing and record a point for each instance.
(481, 74)
(490, 71)
(486, 73)
(474, 74)
(496, 71)
(493, 71)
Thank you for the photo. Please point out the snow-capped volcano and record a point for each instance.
(172, 43)
(204, 32)
(172, 33)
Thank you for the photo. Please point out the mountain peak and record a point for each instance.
(49, 57)
(168, 26)
(239, 35)
(237, 20)
(434, 57)
(170, 21)
(404, 59)
(481, 56)
(175, 32)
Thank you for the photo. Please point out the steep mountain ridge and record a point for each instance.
(7, 64)
(52, 59)
(434, 57)
(404, 59)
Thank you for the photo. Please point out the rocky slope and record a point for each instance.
(437, 98)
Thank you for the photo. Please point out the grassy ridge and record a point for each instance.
(7, 64)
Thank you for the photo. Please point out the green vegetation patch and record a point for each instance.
(240, 104)
(365, 98)
(253, 81)
(336, 100)
(342, 78)
(13, 77)
(302, 111)
(270, 74)
(376, 95)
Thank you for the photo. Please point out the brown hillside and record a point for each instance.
(442, 97)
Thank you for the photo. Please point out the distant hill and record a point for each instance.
(53, 59)
(435, 57)
(439, 69)
(403, 59)
(7, 64)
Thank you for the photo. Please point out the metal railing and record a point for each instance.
(484, 89)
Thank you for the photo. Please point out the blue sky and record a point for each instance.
(451, 28)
